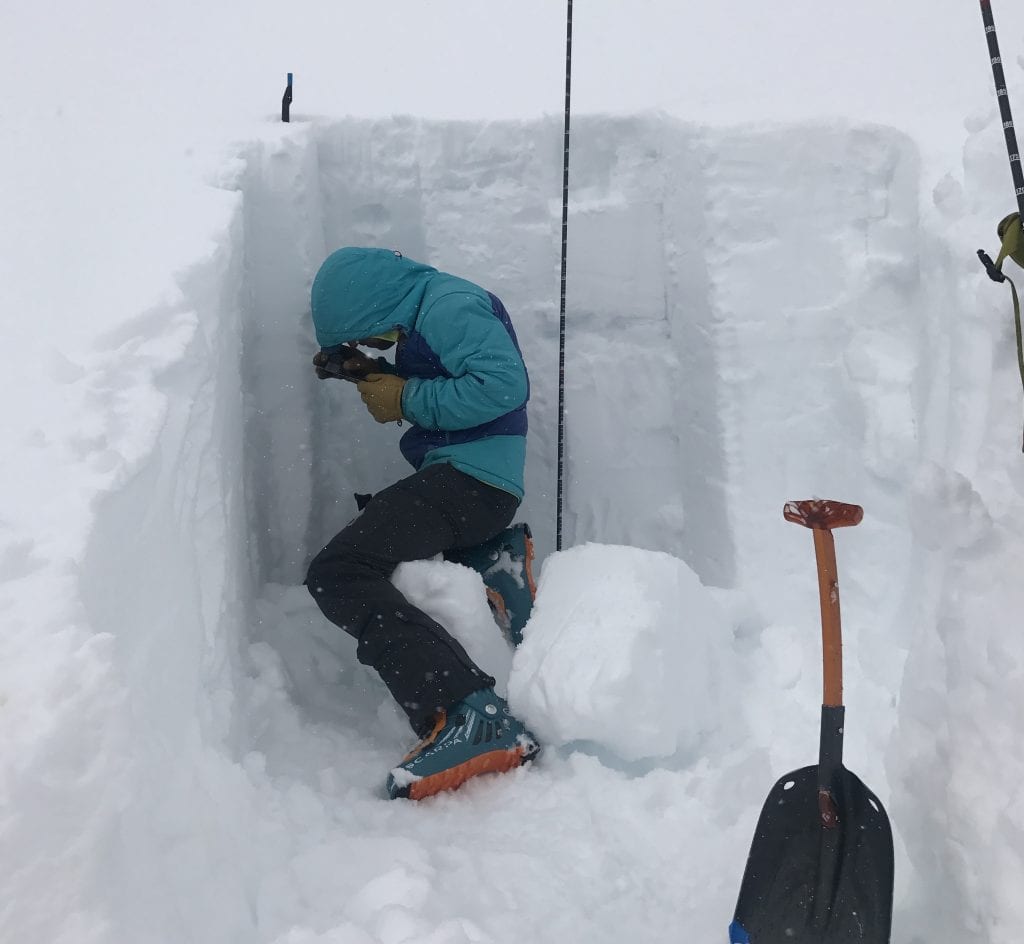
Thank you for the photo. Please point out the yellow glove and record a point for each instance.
(382, 394)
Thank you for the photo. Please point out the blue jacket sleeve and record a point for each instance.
(488, 377)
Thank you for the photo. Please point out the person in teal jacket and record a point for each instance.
(459, 381)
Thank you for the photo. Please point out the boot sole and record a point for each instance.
(493, 762)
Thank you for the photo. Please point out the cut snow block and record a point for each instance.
(454, 595)
(625, 650)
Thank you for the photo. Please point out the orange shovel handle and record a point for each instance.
(821, 517)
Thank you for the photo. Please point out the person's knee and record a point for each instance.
(323, 571)
(331, 585)
(335, 568)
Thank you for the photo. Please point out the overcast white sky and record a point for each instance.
(919, 63)
(109, 105)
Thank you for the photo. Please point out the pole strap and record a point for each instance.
(561, 311)
(1020, 345)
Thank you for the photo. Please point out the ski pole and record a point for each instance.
(994, 269)
(561, 313)
(1009, 229)
(1003, 98)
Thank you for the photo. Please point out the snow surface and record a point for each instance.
(772, 295)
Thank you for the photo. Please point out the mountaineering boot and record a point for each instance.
(505, 563)
(477, 735)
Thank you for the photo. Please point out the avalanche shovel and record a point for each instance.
(820, 869)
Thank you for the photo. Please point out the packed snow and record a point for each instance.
(612, 648)
(772, 294)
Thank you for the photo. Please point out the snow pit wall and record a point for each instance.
(167, 575)
(699, 280)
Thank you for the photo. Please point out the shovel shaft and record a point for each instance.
(831, 625)
(821, 517)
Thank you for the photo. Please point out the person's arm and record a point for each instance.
(488, 375)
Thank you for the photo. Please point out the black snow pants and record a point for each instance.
(414, 519)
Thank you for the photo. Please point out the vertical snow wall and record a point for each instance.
(704, 269)
(712, 274)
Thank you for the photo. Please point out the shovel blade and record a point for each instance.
(806, 883)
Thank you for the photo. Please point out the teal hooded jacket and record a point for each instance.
(466, 383)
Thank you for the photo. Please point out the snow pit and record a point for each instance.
(756, 315)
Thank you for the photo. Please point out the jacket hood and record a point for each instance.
(359, 293)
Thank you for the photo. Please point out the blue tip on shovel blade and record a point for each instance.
(738, 934)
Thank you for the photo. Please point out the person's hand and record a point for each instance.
(358, 364)
(382, 394)
(348, 364)
(320, 363)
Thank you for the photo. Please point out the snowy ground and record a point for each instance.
(758, 311)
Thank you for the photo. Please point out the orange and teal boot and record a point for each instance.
(477, 735)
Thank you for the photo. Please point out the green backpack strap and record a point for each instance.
(1009, 231)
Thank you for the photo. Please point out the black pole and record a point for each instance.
(1004, 103)
(1003, 97)
(561, 314)
(286, 101)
